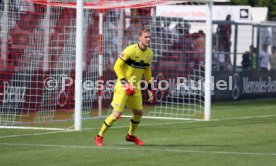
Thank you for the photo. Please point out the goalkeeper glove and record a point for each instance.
(129, 89)
(150, 93)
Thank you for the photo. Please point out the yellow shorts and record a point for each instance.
(120, 100)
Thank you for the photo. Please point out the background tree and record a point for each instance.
(271, 4)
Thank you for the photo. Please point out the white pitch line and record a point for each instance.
(244, 107)
(143, 149)
(33, 128)
(118, 127)
(244, 117)
(35, 134)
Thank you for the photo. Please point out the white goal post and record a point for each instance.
(57, 59)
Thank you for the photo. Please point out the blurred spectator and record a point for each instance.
(254, 57)
(185, 42)
(228, 65)
(199, 47)
(167, 34)
(176, 32)
(184, 46)
(1, 7)
(180, 32)
(247, 58)
(219, 56)
(224, 32)
(264, 58)
(199, 44)
(111, 60)
(215, 63)
(157, 39)
(187, 47)
(273, 58)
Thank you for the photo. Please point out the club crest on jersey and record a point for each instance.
(122, 55)
(147, 56)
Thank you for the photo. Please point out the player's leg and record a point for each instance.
(135, 103)
(135, 120)
(118, 104)
(109, 121)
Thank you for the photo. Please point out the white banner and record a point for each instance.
(198, 12)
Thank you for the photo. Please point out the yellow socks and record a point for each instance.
(107, 124)
(134, 122)
(111, 119)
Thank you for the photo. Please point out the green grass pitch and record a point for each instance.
(241, 133)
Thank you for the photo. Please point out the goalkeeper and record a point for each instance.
(129, 68)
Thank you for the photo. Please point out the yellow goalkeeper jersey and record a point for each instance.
(133, 63)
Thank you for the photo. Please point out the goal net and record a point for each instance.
(38, 58)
